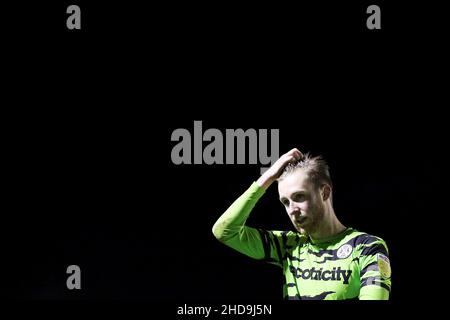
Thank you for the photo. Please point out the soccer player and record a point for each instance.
(323, 259)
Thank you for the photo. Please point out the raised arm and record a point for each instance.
(230, 228)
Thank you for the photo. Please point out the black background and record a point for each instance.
(88, 116)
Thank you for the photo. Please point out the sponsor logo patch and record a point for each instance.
(384, 265)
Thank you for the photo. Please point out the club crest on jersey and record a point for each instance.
(344, 251)
(384, 265)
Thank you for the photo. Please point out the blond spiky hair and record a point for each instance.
(316, 168)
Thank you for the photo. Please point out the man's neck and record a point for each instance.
(329, 227)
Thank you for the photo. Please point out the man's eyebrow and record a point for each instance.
(297, 192)
(294, 193)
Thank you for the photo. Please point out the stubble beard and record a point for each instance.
(317, 218)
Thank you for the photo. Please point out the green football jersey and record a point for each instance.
(349, 265)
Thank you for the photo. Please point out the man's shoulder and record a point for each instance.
(359, 238)
(289, 237)
(284, 233)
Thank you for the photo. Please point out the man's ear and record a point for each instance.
(326, 192)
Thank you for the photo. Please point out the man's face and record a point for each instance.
(302, 201)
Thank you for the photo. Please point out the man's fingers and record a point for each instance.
(294, 157)
(299, 155)
(296, 153)
(291, 158)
